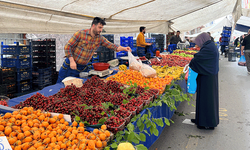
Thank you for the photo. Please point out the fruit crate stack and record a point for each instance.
(126, 42)
(159, 41)
(18, 57)
(226, 34)
(8, 82)
(44, 59)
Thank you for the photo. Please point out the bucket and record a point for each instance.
(232, 56)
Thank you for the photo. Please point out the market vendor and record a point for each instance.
(176, 38)
(81, 47)
(140, 42)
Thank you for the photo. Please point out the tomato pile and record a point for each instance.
(171, 60)
(30, 129)
(87, 102)
(194, 48)
(136, 77)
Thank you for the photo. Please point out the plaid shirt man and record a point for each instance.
(82, 46)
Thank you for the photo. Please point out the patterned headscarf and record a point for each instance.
(201, 39)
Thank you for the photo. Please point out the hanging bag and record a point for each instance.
(191, 82)
(242, 61)
(133, 63)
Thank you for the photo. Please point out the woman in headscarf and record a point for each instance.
(206, 64)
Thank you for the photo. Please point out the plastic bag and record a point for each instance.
(148, 71)
(242, 61)
(133, 63)
(191, 82)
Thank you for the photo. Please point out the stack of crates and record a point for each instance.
(18, 56)
(8, 82)
(159, 41)
(126, 42)
(151, 49)
(226, 34)
(44, 60)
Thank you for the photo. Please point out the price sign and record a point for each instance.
(4, 144)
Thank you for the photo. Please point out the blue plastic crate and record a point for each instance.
(150, 40)
(227, 28)
(226, 35)
(45, 80)
(15, 49)
(192, 44)
(225, 39)
(226, 32)
(16, 62)
(24, 74)
(24, 86)
(172, 47)
(224, 43)
(128, 39)
(40, 72)
(121, 54)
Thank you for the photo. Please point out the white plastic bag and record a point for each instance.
(133, 63)
(148, 71)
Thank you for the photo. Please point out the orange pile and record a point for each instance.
(136, 77)
(28, 129)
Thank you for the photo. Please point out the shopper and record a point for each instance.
(236, 42)
(222, 47)
(246, 47)
(212, 39)
(140, 42)
(176, 38)
(81, 47)
(206, 64)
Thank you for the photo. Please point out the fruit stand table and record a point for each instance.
(157, 112)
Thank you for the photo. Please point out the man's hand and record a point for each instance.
(120, 48)
(149, 44)
(72, 63)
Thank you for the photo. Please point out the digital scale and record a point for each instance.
(101, 73)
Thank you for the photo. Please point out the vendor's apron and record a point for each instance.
(66, 71)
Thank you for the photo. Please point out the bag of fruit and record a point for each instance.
(133, 63)
(148, 71)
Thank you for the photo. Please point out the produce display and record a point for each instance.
(194, 48)
(174, 71)
(184, 53)
(171, 60)
(30, 129)
(4, 100)
(96, 102)
(122, 67)
(136, 77)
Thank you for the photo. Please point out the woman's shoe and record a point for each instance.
(193, 121)
(206, 128)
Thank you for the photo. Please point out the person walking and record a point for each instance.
(140, 42)
(222, 47)
(212, 39)
(81, 47)
(206, 64)
(246, 47)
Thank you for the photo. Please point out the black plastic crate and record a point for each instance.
(24, 74)
(3, 90)
(111, 54)
(40, 72)
(109, 37)
(41, 82)
(11, 87)
(15, 49)
(5, 72)
(8, 79)
(102, 56)
(107, 55)
(24, 86)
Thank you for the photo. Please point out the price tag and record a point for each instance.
(4, 144)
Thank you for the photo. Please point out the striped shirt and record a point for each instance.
(82, 46)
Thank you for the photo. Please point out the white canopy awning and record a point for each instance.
(122, 16)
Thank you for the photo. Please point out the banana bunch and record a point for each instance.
(174, 71)
(122, 67)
